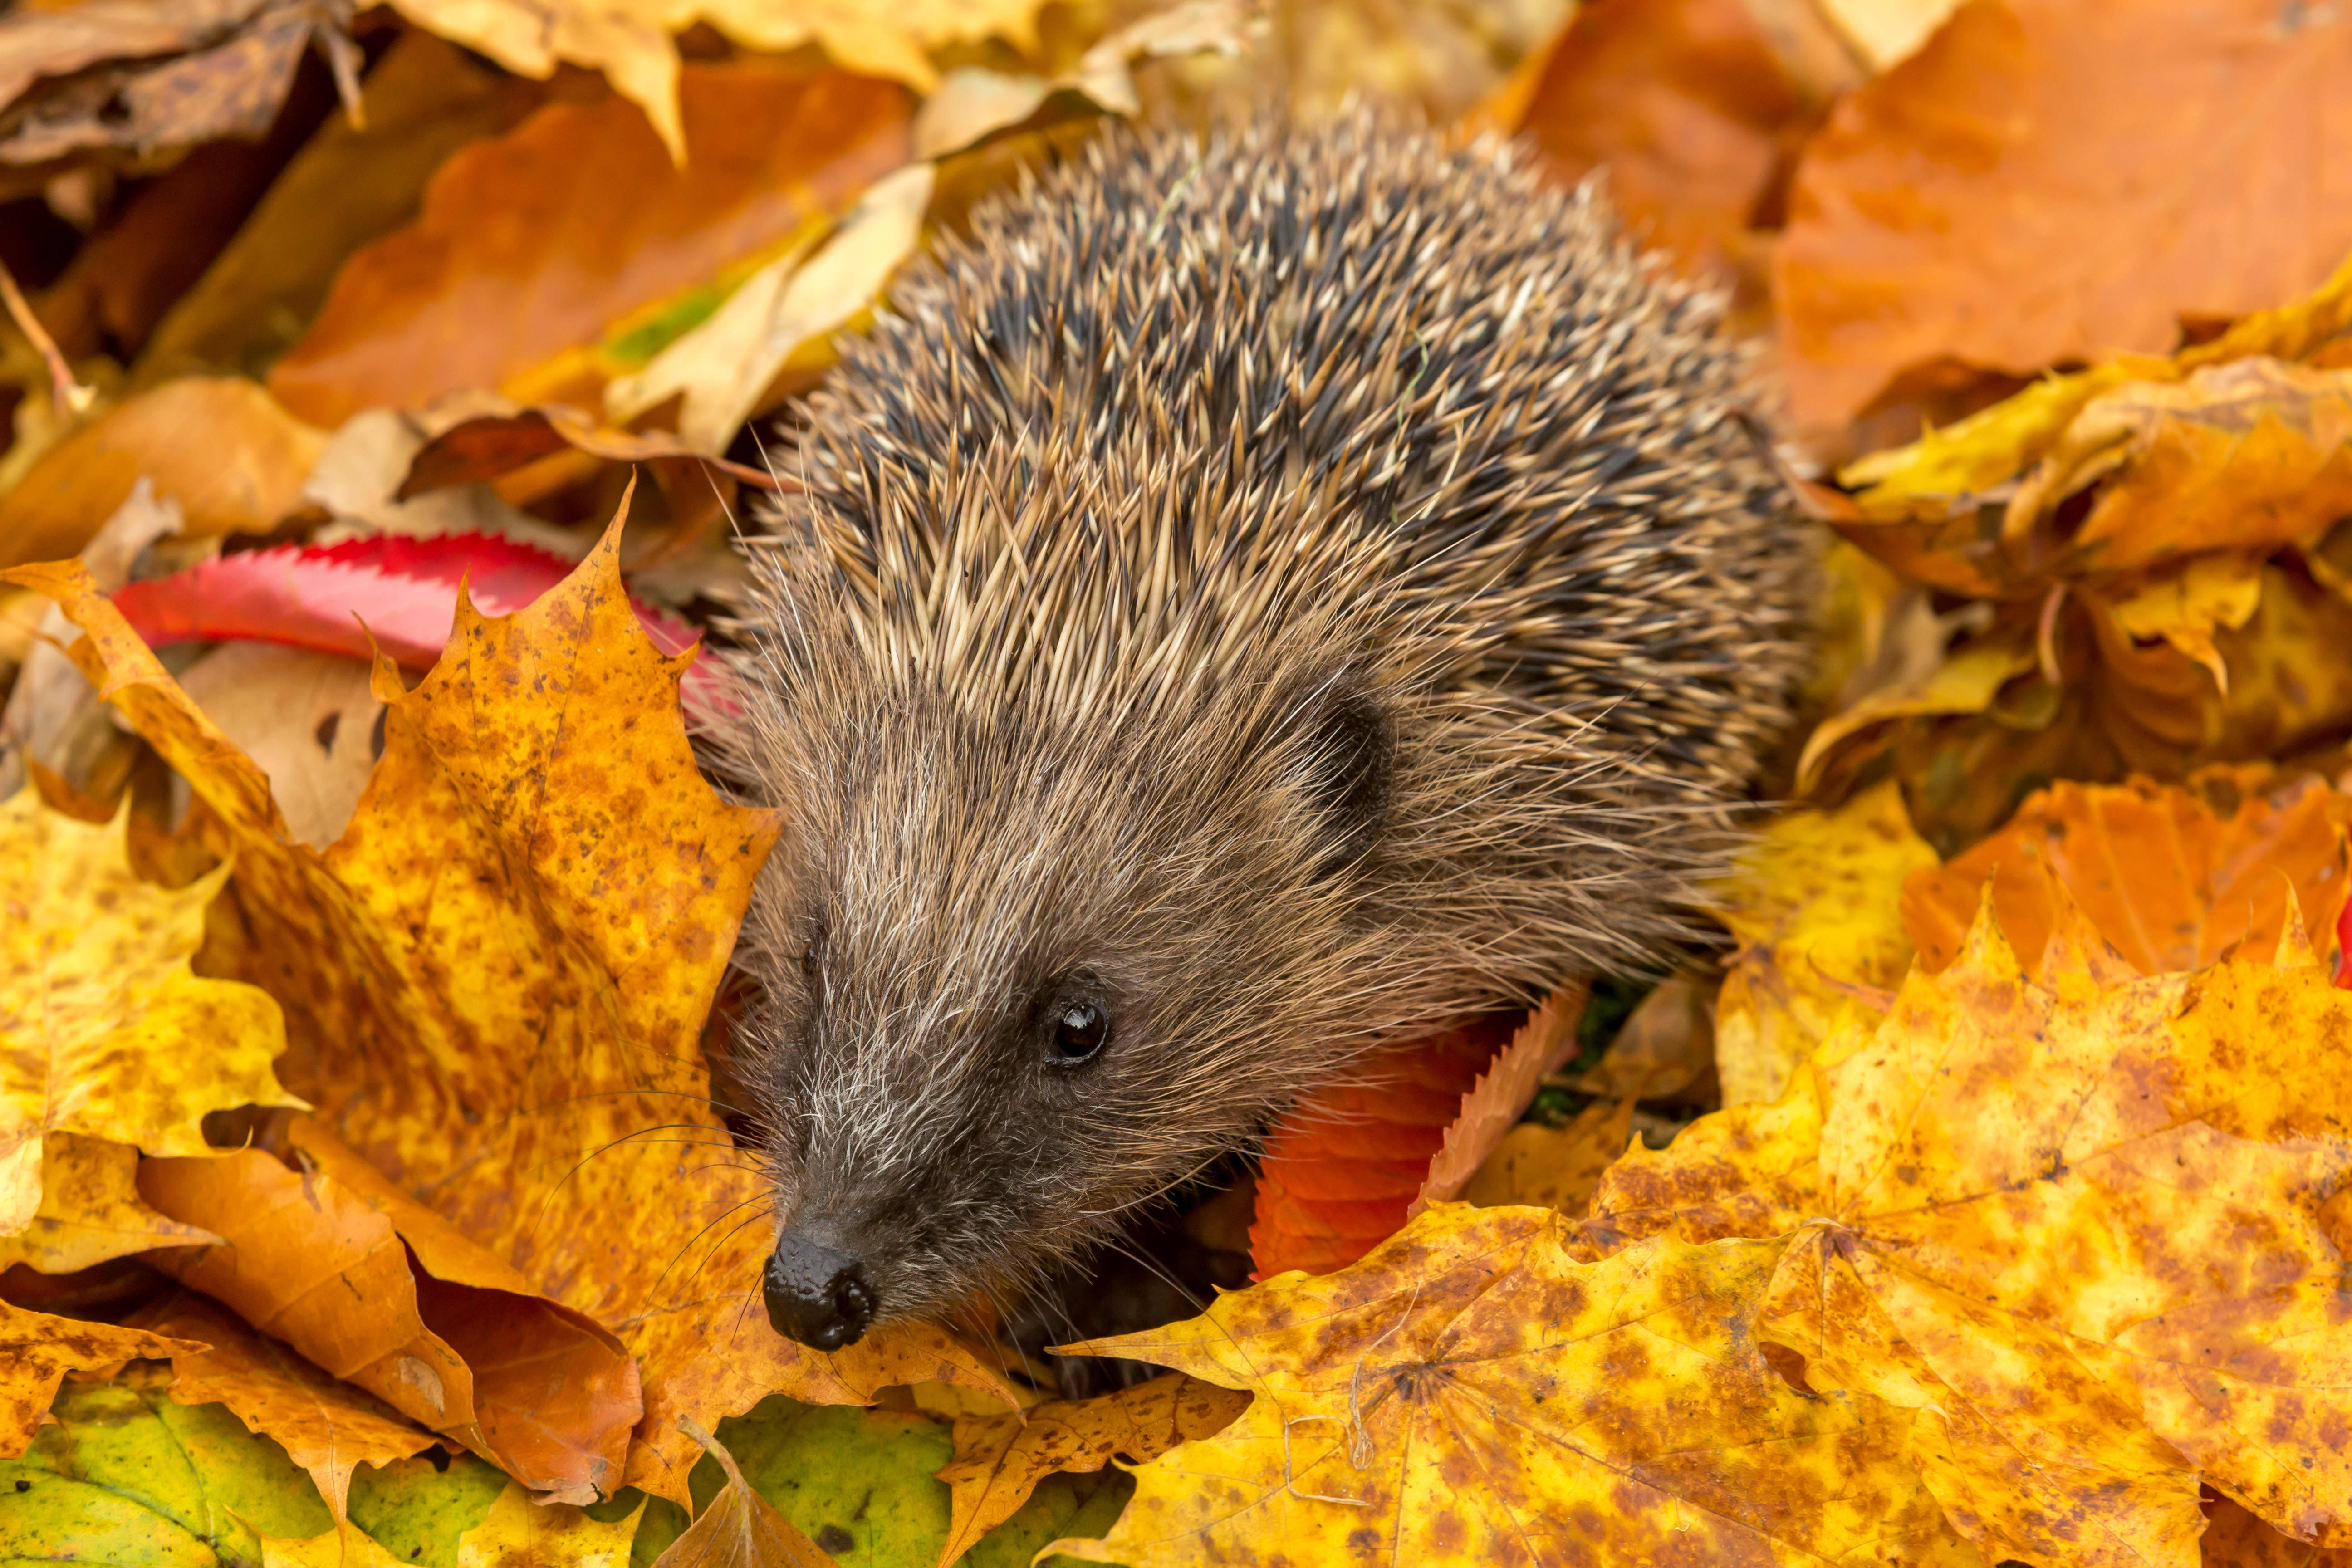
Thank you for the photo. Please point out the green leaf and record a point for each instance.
(857, 1482)
(417, 1509)
(125, 1477)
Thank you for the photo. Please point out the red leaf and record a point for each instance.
(1343, 1166)
(1503, 1093)
(399, 591)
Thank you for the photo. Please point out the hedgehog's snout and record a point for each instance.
(816, 1294)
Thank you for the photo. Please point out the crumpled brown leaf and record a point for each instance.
(36, 1350)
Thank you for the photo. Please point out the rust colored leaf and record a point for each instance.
(1683, 106)
(739, 1529)
(1467, 1393)
(220, 446)
(2075, 1222)
(532, 245)
(326, 1426)
(90, 1211)
(104, 1029)
(1814, 907)
(2064, 144)
(2172, 877)
(320, 1257)
(1344, 1164)
(36, 1350)
(1000, 1460)
(1501, 1094)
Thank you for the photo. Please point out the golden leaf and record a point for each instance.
(1000, 1460)
(1815, 906)
(2046, 1215)
(90, 1210)
(104, 1031)
(1467, 1393)
(520, 1532)
(1554, 1167)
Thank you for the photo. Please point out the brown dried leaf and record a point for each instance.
(533, 249)
(1666, 1045)
(2042, 140)
(138, 78)
(1000, 1460)
(326, 1426)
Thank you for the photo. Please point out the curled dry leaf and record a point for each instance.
(104, 1030)
(530, 246)
(307, 719)
(2035, 139)
(2172, 877)
(233, 460)
(738, 1528)
(1344, 1164)
(321, 1258)
(1000, 1460)
(1815, 906)
(1502, 1093)
(1468, 1393)
(2074, 1223)
(2236, 1538)
(36, 1350)
(90, 1211)
(326, 1426)
(138, 80)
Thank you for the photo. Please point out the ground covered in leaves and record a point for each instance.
(368, 1189)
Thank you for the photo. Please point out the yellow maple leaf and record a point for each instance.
(1815, 905)
(104, 1030)
(522, 1531)
(1000, 1458)
(2055, 1219)
(495, 979)
(1469, 1392)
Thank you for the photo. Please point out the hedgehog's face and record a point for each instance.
(1031, 977)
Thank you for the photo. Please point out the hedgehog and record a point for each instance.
(1253, 597)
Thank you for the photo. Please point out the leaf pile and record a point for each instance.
(377, 391)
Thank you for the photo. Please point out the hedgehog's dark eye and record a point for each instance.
(1079, 1030)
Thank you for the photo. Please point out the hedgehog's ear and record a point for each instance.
(1347, 744)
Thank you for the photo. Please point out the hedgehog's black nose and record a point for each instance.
(815, 1295)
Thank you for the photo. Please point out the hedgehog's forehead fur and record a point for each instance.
(1305, 584)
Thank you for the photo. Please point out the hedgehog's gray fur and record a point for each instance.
(1298, 586)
